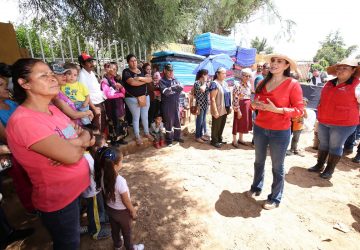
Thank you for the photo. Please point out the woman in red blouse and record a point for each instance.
(277, 98)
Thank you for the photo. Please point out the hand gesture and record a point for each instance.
(238, 115)
(133, 214)
(270, 106)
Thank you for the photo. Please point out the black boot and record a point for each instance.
(320, 162)
(330, 166)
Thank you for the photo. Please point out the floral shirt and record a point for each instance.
(240, 92)
(202, 98)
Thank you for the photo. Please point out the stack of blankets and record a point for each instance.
(183, 64)
(213, 44)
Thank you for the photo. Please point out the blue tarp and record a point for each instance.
(212, 44)
(182, 71)
(245, 57)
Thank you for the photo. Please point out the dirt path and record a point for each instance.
(192, 196)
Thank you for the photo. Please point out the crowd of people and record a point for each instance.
(50, 107)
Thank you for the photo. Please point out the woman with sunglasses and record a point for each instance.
(338, 114)
(242, 123)
(277, 98)
(49, 147)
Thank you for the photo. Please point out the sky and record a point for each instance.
(314, 20)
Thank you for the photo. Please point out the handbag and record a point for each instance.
(195, 110)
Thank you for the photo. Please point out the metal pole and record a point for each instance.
(122, 53)
(61, 49)
(134, 50)
(52, 50)
(128, 49)
(78, 44)
(41, 47)
(140, 51)
(87, 41)
(29, 41)
(145, 53)
(70, 47)
(102, 48)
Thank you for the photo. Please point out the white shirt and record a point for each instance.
(90, 80)
(357, 93)
(91, 190)
(120, 188)
(317, 80)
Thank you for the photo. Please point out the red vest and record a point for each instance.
(338, 105)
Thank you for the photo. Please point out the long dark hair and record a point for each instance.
(263, 83)
(128, 57)
(105, 160)
(5, 70)
(21, 69)
(200, 73)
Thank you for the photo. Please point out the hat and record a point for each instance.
(85, 58)
(350, 62)
(293, 66)
(58, 69)
(168, 67)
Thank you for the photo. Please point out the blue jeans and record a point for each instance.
(200, 123)
(136, 112)
(278, 141)
(63, 226)
(85, 120)
(332, 138)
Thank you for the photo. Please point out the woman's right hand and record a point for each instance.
(90, 115)
(216, 115)
(238, 115)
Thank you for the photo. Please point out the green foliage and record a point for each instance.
(317, 66)
(333, 49)
(151, 22)
(261, 45)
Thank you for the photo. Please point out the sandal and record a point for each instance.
(235, 145)
(139, 142)
(242, 143)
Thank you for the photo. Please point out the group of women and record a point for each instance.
(278, 98)
(37, 130)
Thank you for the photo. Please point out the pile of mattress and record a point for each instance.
(245, 57)
(213, 44)
(183, 64)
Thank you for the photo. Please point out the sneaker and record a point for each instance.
(289, 152)
(84, 230)
(299, 153)
(252, 194)
(348, 151)
(150, 137)
(216, 145)
(104, 233)
(200, 140)
(356, 159)
(169, 144)
(268, 205)
(138, 247)
(181, 140)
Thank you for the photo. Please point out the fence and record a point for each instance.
(104, 50)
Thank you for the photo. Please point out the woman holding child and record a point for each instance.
(277, 98)
(35, 133)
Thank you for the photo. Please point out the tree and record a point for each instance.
(150, 22)
(261, 45)
(333, 49)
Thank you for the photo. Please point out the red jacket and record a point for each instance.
(287, 95)
(338, 104)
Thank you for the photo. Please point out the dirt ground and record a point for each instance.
(192, 196)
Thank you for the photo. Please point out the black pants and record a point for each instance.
(153, 110)
(120, 222)
(295, 139)
(217, 128)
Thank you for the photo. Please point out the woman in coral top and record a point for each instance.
(50, 149)
(277, 98)
(338, 114)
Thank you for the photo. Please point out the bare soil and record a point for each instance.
(192, 196)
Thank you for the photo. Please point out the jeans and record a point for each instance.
(295, 139)
(79, 107)
(138, 112)
(332, 138)
(63, 226)
(200, 123)
(350, 141)
(278, 141)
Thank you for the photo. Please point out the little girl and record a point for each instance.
(108, 162)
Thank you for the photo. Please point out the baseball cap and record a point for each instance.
(84, 57)
(58, 69)
(168, 67)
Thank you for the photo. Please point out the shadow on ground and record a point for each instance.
(163, 210)
(237, 205)
(355, 212)
(301, 177)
